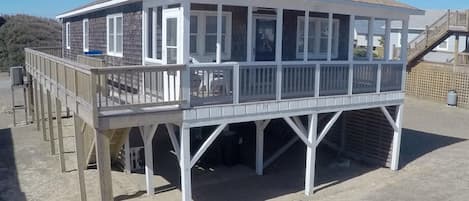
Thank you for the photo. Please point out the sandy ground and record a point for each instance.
(434, 160)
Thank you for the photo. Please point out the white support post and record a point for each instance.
(369, 51)
(259, 148)
(148, 132)
(185, 164)
(311, 155)
(328, 127)
(317, 80)
(174, 140)
(387, 40)
(389, 118)
(236, 83)
(396, 142)
(249, 36)
(207, 144)
(58, 113)
(329, 37)
(103, 159)
(51, 123)
(350, 53)
(306, 37)
(378, 78)
(278, 52)
(404, 39)
(79, 143)
(219, 32)
(128, 167)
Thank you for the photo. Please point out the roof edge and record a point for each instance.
(91, 8)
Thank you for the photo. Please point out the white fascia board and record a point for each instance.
(90, 8)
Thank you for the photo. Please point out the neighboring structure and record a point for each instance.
(201, 64)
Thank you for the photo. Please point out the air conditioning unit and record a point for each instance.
(137, 158)
(16, 76)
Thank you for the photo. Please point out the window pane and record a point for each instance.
(311, 39)
(395, 49)
(119, 25)
(193, 45)
(119, 35)
(119, 44)
(194, 24)
(235, 43)
(361, 38)
(159, 32)
(379, 30)
(171, 36)
(211, 24)
(111, 34)
(150, 33)
(210, 44)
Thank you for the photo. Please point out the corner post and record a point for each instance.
(311, 154)
(103, 159)
(278, 53)
(80, 143)
(185, 163)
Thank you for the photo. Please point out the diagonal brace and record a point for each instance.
(328, 127)
(207, 143)
(299, 132)
(390, 119)
(173, 138)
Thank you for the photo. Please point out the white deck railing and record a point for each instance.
(114, 88)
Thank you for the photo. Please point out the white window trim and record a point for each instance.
(114, 53)
(154, 37)
(86, 23)
(67, 35)
(317, 38)
(201, 33)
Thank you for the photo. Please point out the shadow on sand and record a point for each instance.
(9, 185)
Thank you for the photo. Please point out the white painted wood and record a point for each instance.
(128, 167)
(148, 132)
(51, 123)
(259, 147)
(350, 80)
(249, 35)
(185, 164)
(396, 142)
(79, 144)
(328, 127)
(58, 113)
(219, 32)
(387, 40)
(404, 49)
(306, 36)
(351, 37)
(329, 37)
(174, 140)
(371, 24)
(103, 159)
(389, 118)
(378, 78)
(311, 154)
(298, 132)
(207, 144)
(278, 52)
(317, 80)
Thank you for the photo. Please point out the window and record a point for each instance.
(153, 31)
(67, 35)
(86, 35)
(318, 34)
(203, 35)
(115, 35)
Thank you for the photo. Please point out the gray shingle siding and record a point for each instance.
(132, 24)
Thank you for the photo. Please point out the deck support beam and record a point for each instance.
(396, 141)
(174, 140)
(299, 132)
(128, 168)
(311, 154)
(328, 127)
(206, 144)
(148, 132)
(58, 112)
(260, 127)
(103, 159)
(51, 123)
(79, 143)
(185, 163)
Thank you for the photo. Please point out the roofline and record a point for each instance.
(90, 8)
(410, 11)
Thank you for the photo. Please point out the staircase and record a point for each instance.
(453, 22)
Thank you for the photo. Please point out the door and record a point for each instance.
(265, 38)
(172, 51)
(172, 36)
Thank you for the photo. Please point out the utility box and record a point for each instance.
(16, 76)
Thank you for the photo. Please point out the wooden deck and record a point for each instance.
(128, 96)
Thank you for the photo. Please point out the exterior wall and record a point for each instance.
(432, 81)
(132, 25)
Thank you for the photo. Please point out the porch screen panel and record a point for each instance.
(395, 49)
(340, 37)
(361, 38)
(364, 78)
(293, 35)
(234, 33)
(318, 35)
(379, 39)
(203, 40)
(391, 77)
(257, 82)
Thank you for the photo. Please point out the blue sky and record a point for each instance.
(50, 8)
